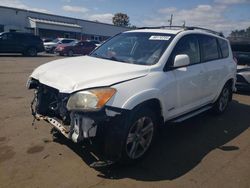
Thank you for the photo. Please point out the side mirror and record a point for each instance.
(181, 60)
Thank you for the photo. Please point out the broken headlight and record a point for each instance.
(90, 100)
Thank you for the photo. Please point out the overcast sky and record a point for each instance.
(220, 15)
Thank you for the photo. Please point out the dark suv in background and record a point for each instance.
(25, 43)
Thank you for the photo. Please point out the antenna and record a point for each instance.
(171, 21)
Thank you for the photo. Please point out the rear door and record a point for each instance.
(214, 55)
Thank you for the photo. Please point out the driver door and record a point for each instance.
(189, 79)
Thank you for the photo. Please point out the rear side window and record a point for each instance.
(66, 41)
(224, 48)
(209, 48)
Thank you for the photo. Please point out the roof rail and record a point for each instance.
(208, 30)
(162, 27)
(185, 28)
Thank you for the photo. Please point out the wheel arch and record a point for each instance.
(230, 82)
(153, 103)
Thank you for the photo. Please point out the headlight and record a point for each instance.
(90, 100)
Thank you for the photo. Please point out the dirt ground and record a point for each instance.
(205, 151)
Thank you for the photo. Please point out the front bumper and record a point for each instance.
(108, 126)
(49, 48)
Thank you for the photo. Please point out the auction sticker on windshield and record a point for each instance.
(159, 37)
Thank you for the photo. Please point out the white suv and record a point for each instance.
(132, 84)
(51, 46)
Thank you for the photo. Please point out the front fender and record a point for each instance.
(141, 97)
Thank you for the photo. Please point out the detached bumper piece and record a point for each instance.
(81, 127)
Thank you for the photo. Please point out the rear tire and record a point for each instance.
(32, 52)
(222, 102)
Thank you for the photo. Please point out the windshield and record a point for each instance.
(242, 53)
(55, 40)
(134, 47)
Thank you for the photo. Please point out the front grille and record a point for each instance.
(52, 103)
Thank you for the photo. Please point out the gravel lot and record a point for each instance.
(205, 151)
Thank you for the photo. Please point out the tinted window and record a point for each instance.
(241, 47)
(188, 45)
(224, 48)
(241, 52)
(66, 41)
(1, 28)
(243, 58)
(209, 48)
(89, 44)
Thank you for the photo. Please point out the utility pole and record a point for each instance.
(171, 20)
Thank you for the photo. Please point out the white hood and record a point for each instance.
(77, 73)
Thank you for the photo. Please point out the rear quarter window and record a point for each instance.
(209, 48)
(224, 48)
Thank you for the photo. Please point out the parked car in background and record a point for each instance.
(47, 40)
(51, 46)
(80, 48)
(16, 42)
(241, 51)
(132, 84)
(96, 42)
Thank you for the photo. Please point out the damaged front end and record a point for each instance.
(75, 124)
(50, 105)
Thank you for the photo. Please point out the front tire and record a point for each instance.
(222, 102)
(141, 131)
(70, 53)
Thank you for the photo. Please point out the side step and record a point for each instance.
(191, 114)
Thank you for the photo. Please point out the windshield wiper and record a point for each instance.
(108, 58)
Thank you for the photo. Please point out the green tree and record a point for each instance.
(241, 33)
(121, 19)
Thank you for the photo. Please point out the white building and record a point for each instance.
(52, 26)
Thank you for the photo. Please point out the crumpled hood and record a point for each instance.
(77, 73)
